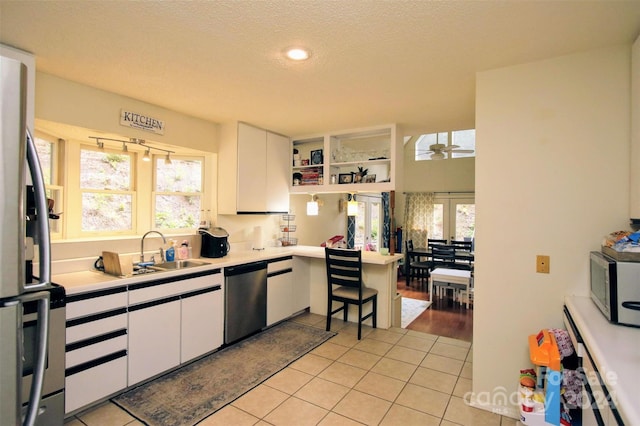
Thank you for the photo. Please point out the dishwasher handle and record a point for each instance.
(245, 268)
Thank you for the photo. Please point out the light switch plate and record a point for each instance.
(542, 264)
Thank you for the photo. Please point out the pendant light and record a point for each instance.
(352, 206)
(146, 156)
(167, 159)
(312, 206)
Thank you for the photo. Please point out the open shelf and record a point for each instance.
(338, 157)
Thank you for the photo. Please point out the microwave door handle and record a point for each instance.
(42, 336)
(42, 214)
(634, 305)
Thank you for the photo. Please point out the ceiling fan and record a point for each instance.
(437, 150)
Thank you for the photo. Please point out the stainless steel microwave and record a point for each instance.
(615, 288)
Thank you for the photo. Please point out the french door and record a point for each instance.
(368, 223)
(454, 217)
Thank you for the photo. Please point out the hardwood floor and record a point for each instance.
(443, 318)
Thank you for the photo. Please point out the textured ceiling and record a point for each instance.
(373, 62)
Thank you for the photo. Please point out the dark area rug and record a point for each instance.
(188, 395)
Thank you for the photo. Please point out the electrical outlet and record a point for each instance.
(542, 264)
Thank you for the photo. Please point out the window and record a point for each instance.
(112, 192)
(465, 140)
(178, 192)
(106, 190)
(463, 144)
(47, 149)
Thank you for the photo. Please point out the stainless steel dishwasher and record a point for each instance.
(245, 303)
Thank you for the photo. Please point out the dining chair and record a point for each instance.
(462, 245)
(415, 267)
(435, 242)
(442, 256)
(344, 285)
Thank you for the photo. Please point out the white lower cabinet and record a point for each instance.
(119, 337)
(172, 321)
(201, 322)
(302, 284)
(279, 290)
(154, 338)
(96, 346)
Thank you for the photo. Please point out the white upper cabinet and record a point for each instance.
(277, 191)
(335, 161)
(253, 170)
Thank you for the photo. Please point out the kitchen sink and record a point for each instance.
(178, 264)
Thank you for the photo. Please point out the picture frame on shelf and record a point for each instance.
(305, 162)
(369, 179)
(316, 156)
(345, 178)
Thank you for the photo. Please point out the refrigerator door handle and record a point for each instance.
(42, 333)
(42, 212)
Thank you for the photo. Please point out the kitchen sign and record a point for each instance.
(142, 122)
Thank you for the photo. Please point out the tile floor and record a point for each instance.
(390, 377)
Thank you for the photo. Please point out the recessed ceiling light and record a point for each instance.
(297, 54)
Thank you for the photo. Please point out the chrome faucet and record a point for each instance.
(164, 240)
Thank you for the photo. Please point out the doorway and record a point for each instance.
(368, 230)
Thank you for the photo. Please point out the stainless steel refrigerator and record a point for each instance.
(31, 353)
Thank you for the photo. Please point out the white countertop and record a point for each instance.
(615, 350)
(92, 280)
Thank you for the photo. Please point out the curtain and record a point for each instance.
(418, 217)
(386, 222)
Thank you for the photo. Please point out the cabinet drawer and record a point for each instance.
(90, 385)
(576, 339)
(279, 265)
(79, 305)
(95, 328)
(597, 402)
(92, 349)
(150, 291)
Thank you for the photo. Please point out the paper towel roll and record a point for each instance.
(258, 243)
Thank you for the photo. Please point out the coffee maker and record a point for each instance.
(214, 242)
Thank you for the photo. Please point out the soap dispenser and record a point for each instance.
(170, 253)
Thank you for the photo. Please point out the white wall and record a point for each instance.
(68, 102)
(71, 103)
(551, 178)
(455, 175)
(314, 230)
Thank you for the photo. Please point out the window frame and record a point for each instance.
(75, 226)
(54, 189)
(155, 193)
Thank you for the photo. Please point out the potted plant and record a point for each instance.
(360, 174)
